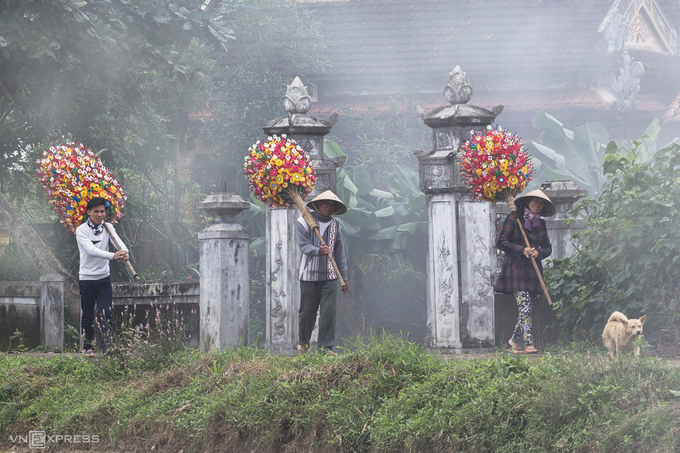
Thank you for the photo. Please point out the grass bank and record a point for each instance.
(384, 396)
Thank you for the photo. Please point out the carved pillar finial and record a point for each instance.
(457, 89)
(297, 99)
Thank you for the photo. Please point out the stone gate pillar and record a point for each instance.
(225, 283)
(283, 255)
(461, 253)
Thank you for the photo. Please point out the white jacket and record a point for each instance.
(94, 252)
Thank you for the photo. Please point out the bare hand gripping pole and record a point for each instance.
(297, 201)
(132, 269)
(533, 261)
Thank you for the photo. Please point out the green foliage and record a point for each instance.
(384, 395)
(134, 81)
(379, 138)
(628, 254)
(565, 154)
(381, 226)
(16, 342)
(123, 77)
(275, 40)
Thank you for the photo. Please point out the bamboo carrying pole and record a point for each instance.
(132, 269)
(533, 261)
(300, 204)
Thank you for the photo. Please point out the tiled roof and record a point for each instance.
(524, 38)
(525, 54)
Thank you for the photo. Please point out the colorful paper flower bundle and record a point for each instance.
(70, 175)
(277, 170)
(281, 174)
(496, 165)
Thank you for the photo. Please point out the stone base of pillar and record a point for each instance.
(458, 351)
(281, 349)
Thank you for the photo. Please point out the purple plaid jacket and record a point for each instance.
(517, 273)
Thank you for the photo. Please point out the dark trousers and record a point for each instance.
(318, 296)
(95, 293)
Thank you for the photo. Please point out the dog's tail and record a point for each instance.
(617, 316)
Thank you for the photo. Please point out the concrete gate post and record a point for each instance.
(461, 251)
(225, 283)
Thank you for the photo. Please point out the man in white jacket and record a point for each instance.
(93, 280)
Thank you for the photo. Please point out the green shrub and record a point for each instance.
(629, 254)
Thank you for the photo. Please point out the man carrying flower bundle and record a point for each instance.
(318, 280)
(94, 281)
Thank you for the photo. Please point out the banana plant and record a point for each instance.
(381, 225)
(569, 154)
(579, 155)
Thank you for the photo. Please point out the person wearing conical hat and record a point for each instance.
(518, 276)
(318, 281)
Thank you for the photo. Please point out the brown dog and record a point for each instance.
(620, 332)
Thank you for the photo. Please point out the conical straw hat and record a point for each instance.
(548, 207)
(329, 196)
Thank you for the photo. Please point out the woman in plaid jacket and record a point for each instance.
(517, 275)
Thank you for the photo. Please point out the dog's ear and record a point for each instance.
(643, 319)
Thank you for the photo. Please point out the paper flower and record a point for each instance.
(496, 165)
(70, 175)
(275, 168)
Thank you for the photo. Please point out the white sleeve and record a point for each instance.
(85, 244)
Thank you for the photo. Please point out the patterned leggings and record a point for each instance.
(525, 305)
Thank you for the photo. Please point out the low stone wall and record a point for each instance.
(168, 300)
(36, 310)
(19, 310)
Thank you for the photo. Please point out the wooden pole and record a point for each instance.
(297, 201)
(132, 269)
(533, 261)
